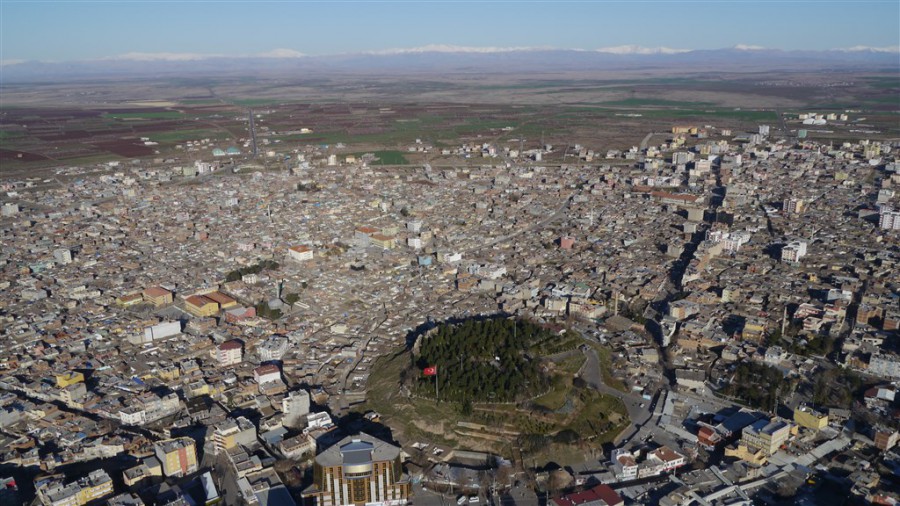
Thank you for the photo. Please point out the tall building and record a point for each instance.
(177, 456)
(94, 486)
(767, 435)
(793, 205)
(62, 256)
(230, 352)
(233, 432)
(885, 438)
(295, 407)
(889, 219)
(793, 252)
(359, 470)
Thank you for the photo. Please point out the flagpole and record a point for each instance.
(437, 391)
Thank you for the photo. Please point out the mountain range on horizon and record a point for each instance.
(459, 59)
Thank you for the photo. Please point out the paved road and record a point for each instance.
(633, 403)
(647, 139)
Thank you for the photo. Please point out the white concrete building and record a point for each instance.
(793, 252)
(295, 407)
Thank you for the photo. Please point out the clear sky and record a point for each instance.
(89, 29)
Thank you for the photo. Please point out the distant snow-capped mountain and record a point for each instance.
(449, 58)
(631, 49)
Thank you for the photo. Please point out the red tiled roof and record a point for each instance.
(156, 291)
(600, 492)
(219, 297)
(666, 454)
(199, 300)
(676, 196)
(266, 369)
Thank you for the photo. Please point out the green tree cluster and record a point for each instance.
(484, 361)
(264, 311)
(262, 265)
(758, 385)
(836, 388)
(806, 345)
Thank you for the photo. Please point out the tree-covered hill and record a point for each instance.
(495, 360)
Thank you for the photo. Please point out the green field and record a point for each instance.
(641, 102)
(6, 135)
(147, 115)
(745, 115)
(883, 81)
(390, 158)
(254, 102)
(186, 135)
(430, 128)
(561, 384)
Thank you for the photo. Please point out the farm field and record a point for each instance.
(43, 126)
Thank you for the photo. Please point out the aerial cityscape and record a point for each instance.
(481, 253)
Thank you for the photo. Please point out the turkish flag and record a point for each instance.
(430, 371)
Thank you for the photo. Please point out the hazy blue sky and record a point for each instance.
(79, 29)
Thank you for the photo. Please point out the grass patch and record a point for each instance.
(6, 135)
(390, 157)
(559, 392)
(426, 127)
(561, 383)
(597, 408)
(398, 411)
(87, 160)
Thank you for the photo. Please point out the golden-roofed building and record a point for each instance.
(158, 296)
